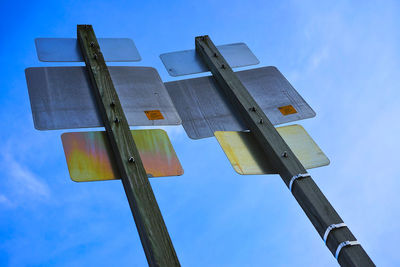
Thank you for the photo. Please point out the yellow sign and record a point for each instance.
(89, 155)
(286, 110)
(154, 115)
(246, 157)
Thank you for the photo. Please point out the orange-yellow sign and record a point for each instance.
(246, 157)
(286, 110)
(89, 155)
(154, 115)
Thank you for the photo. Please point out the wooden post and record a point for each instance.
(308, 195)
(153, 233)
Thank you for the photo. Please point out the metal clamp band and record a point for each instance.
(331, 227)
(301, 175)
(344, 244)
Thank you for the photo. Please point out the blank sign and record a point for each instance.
(204, 109)
(62, 97)
(188, 62)
(246, 156)
(68, 50)
(90, 158)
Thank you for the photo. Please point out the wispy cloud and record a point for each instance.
(5, 201)
(19, 181)
(318, 57)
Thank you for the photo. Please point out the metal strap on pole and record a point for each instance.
(344, 244)
(330, 228)
(301, 175)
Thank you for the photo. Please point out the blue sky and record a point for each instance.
(342, 57)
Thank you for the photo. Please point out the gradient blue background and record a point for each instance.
(342, 57)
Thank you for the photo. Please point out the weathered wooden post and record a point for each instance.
(338, 237)
(149, 221)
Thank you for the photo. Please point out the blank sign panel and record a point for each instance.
(204, 109)
(62, 98)
(90, 157)
(188, 62)
(246, 156)
(68, 50)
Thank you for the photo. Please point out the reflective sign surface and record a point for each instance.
(61, 97)
(246, 157)
(188, 62)
(89, 155)
(68, 50)
(204, 110)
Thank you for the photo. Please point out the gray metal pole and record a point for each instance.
(153, 233)
(318, 209)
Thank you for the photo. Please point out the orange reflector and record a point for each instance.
(286, 110)
(154, 115)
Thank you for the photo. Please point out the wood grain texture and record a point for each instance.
(308, 195)
(153, 233)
